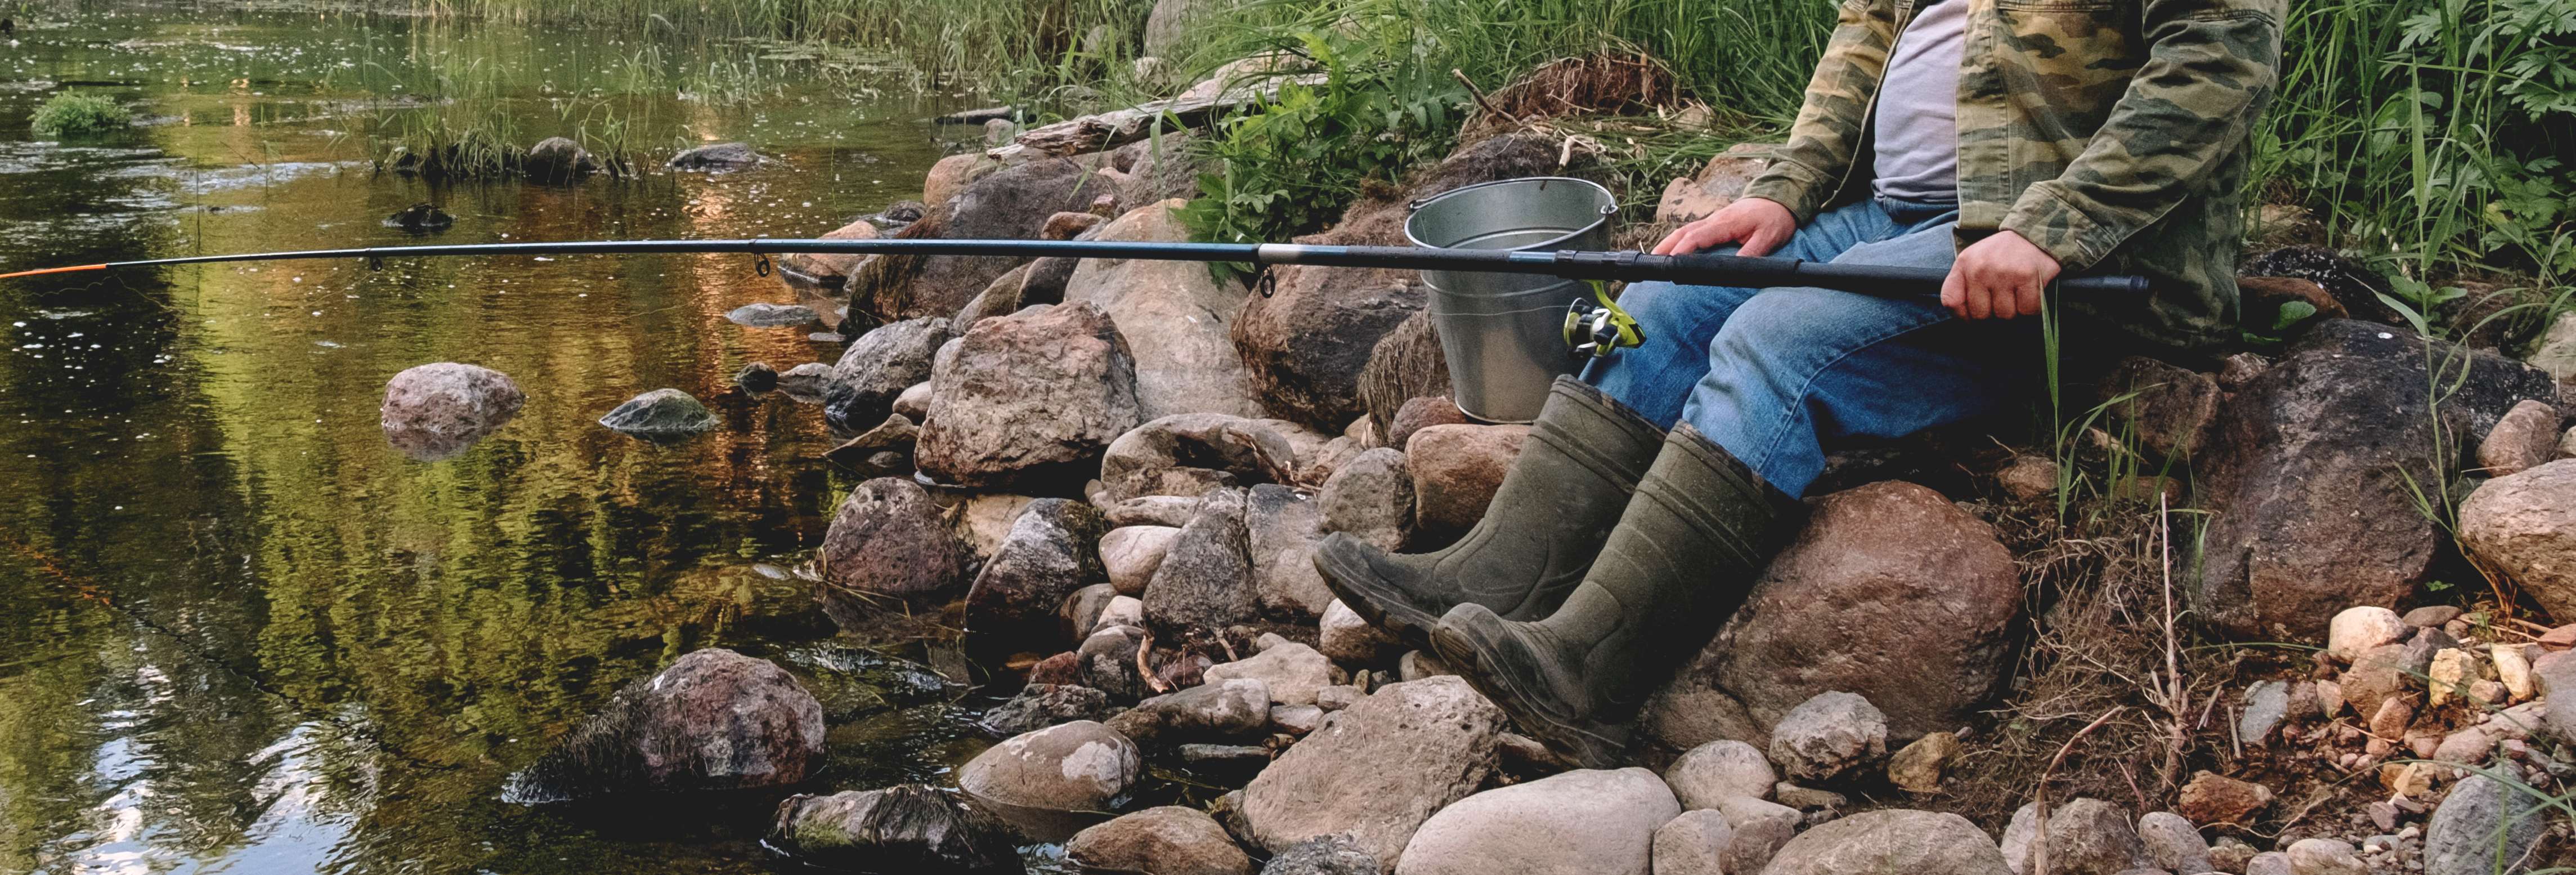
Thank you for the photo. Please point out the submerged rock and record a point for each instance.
(420, 217)
(714, 720)
(435, 411)
(661, 414)
(768, 315)
(887, 539)
(557, 160)
(756, 377)
(1050, 553)
(905, 828)
(715, 156)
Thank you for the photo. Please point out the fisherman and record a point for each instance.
(2007, 141)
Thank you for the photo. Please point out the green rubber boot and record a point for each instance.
(1564, 492)
(1682, 559)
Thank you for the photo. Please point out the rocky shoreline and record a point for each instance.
(1113, 476)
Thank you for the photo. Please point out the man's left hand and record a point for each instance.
(1998, 277)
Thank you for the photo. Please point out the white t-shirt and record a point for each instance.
(1918, 107)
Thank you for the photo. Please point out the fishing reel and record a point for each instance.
(1596, 327)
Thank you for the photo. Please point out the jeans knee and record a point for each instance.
(1764, 326)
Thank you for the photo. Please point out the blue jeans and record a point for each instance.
(1772, 374)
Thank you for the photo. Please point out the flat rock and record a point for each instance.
(1574, 823)
(1170, 840)
(1216, 711)
(1890, 842)
(768, 315)
(1077, 766)
(1378, 769)
(1188, 454)
(661, 414)
(1292, 671)
(715, 156)
(1173, 511)
(905, 828)
(1032, 396)
(1038, 706)
(1717, 771)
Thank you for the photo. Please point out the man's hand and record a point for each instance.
(1999, 277)
(1760, 225)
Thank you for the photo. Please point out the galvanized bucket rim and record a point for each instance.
(1609, 207)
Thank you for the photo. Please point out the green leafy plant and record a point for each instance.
(71, 113)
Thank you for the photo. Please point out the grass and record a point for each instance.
(71, 113)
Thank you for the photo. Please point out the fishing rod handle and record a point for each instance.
(1743, 270)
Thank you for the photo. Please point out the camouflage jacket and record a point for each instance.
(2111, 133)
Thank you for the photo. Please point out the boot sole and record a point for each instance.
(1360, 589)
(1589, 743)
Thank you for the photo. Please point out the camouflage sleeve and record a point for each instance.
(2208, 74)
(1828, 130)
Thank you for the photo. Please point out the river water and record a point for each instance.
(238, 631)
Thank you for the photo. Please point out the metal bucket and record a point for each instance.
(1504, 334)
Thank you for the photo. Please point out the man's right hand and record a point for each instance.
(1759, 225)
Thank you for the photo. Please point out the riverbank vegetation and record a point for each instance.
(72, 113)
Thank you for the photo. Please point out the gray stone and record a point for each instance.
(1296, 719)
(1370, 498)
(1693, 844)
(2524, 525)
(2485, 826)
(2093, 837)
(763, 314)
(1205, 581)
(1132, 554)
(661, 414)
(2526, 438)
(1216, 711)
(1760, 829)
(2173, 843)
(557, 160)
(805, 382)
(1189, 454)
(2325, 857)
(2268, 863)
(1082, 611)
(1890, 842)
(878, 367)
(1049, 554)
(435, 411)
(2267, 703)
(715, 156)
(905, 828)
(1171, 511)
(1283, 527)
(1416, 665)
(1829, 736)
(1717, 771)
(2555, 675)
(1575, 823)
(1174, 313)
(1378, 769)
(1077, 766)
(1324, 855)
(1106, 660)
(1343, 635)
(1292, 671)
(1170, 840)
(1038, 706)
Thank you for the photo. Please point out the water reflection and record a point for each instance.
(246, 634)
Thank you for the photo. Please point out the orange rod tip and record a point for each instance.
(73, 269)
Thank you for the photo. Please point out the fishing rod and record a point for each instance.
(1691, 269)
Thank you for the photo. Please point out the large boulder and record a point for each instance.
(2314, 470)
(1205, 580)
(2524, 525)
(1573, 823)
(1051, 552)
(1032, 397)
(1170, 840)
(888, 539)
(1187, 454)
(435, 411)
(878, 367)
(1378, 769)
(1174, 314)
(1891, 842)
(1890, 592)
(714, 720)
(1012, 202)
(1078, 766)
(1307, 342)
(904, 828)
